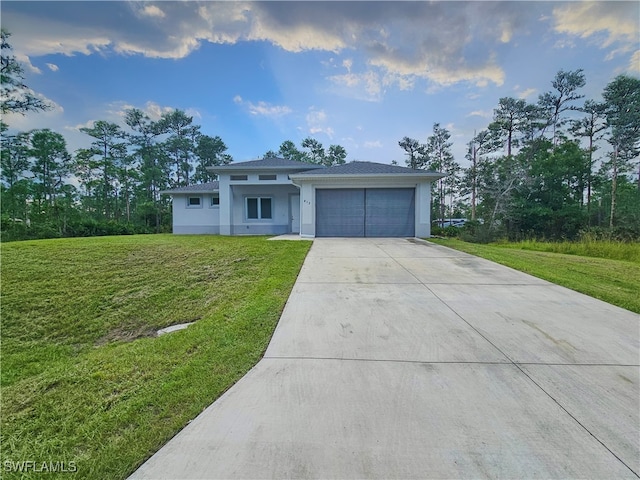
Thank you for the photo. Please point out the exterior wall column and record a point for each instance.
(226, 206)
(423, 209)
(307, 211)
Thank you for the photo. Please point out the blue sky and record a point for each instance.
(359, 74)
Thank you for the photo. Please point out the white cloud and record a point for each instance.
(262, 108)
(25, 61)
(634, 63)
(32, 120)
(372, 144)
(604, 22)
(420, 40)
(53, 67)
(317, 122)
(526, 93)
(480, 113)
(366, 85)
(87, 124)
(155, 111)
(152, 11)
(117, 110)
(193, 112)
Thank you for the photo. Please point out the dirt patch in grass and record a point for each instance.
(123, 334)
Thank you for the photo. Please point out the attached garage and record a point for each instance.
(365, 212)
(364, 199)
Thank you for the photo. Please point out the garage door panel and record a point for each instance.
(340, 212)
(390, 212)
(371, 212)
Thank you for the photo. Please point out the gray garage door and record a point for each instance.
(365, 212)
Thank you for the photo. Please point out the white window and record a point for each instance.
(237, 178)
(259, 208)
(194, 202)
(215, 201)
(267, 177)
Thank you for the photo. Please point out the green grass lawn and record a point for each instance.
(596, 270)
(85, 380)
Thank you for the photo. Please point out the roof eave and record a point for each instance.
(430, 175)
(188, 192)
(239, 168)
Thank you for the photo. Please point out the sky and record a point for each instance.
(360, 74)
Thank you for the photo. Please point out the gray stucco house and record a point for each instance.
(275, 196)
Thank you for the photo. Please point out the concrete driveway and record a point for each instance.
(402, 359)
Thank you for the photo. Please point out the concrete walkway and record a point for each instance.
(401, 359)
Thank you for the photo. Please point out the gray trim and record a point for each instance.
(269, 164)
(196, 229)
(259, 229)
(365, 169)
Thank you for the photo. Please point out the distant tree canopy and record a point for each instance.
(551, 169)
(312, 152)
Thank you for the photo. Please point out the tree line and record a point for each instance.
(552, 169)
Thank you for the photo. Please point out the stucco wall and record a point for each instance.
(195, 220)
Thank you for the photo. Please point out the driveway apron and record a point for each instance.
(398, 358)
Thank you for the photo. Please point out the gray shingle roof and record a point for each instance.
(268, 163)
(209, 187)
(366, 168)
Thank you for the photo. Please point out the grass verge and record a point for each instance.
(612, 280)
(83, 377)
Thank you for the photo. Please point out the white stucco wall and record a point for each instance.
(195, 220)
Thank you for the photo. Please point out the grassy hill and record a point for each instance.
(84, 377)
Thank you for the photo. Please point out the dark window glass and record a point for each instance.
(238, 177)
(194, 201)
(215, 201)
(265, 208)
(252, 208)
(267, 177)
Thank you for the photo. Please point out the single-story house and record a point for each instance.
(275, 196)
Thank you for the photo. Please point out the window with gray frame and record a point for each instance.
(194, 202)
(259, 208)
(215, 201)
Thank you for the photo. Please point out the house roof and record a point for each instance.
(209, 187)
(271, 163)
(367, 169)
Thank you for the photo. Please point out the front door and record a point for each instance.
(294, 213)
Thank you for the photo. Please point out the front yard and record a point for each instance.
(84, 379)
